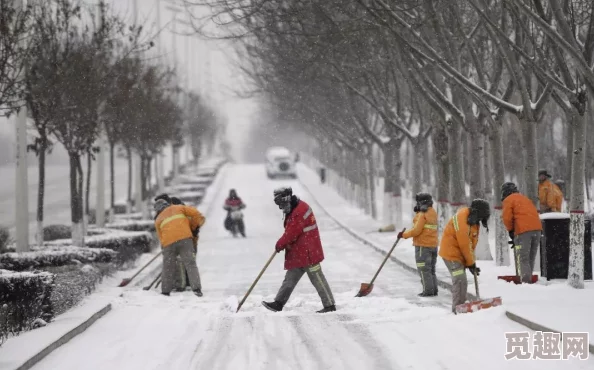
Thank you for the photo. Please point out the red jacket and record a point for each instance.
(233, 203)
(301, 240)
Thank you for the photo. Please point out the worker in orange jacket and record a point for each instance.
(424, 234)
(522, 221)
(458, 243)
(549, 194)
(174, 225)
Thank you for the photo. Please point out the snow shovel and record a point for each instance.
(479, 304)
(153, 282)
(367, 288)
(256, 281)
(128, 280)
(516, 279)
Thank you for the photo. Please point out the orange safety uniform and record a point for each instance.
(176, 223)
(424, 231)
(520, 215)
(547, 197)
(459, 239)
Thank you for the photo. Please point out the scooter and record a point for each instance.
(237, 219)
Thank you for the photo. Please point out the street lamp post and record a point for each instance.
(22, 181)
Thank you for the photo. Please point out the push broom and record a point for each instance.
(128, 280)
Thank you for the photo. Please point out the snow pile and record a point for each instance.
(186, 187)
(113, 239)
(54, 256)
(193, 179)
(554, 216)
(132, 225)
(25, 298)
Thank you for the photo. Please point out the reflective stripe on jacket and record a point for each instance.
(424, 230)
(176, 223)
(459, 239)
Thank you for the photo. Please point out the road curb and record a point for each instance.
(441, 283)
(536, 326)
(65, 338)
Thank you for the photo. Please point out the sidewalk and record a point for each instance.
(552, 305)
(23, 351)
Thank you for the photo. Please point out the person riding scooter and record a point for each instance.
(234, 204)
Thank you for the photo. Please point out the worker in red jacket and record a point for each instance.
(303, 251)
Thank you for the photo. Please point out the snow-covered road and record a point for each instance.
(390, 329)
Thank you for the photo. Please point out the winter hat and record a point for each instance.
(480, 211)
(177, 201)
(507, 189)
(163, 196)
(160, 205)
(544, 172)
(282, 198)
(424, 198)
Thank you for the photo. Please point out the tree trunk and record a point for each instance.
(88, 191)
(112, 175)
(476, 166)
(569, 167)
(388, 182)
(465, 140)
(370, 166)
(487, 164)
(76, 215)
(397, 189)
(498, 172)
(427, 167)
(41, 189)
(442, 178)
(457, 184)
(416, 151)
(530, 160)
(575, 276)
(130, 173)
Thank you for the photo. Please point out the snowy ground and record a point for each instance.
(552, 304)
(390, 329)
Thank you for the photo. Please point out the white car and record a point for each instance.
(280, 162)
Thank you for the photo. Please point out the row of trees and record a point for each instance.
(83, 74)
(362, 73)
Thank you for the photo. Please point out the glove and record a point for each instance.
(473, 268)
(401, 235)
(511, 242)
(196, 231)
(278, 248)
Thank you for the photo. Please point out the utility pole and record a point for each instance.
(22, 181)
(139, 199)
(159, 158)
(174, 150)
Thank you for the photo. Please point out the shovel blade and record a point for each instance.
(364, 290)
(124, 283)
(478, 305)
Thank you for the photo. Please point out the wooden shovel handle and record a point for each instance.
(256, 281)
(385, 259)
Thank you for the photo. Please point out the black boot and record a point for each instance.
(198, 292)
(427, 294)
(167, 294)
(327, 309)
(273, 306)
